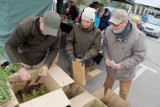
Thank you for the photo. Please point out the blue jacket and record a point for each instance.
(97, 20)
(104, 23)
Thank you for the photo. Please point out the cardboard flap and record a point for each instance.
(56, 98)
(82, 99)
(50, 83)
(60, 76)
(78, 72)
(26, 104)
(94, 72)
(94, 103)
(114, 100)
(17, 83)
(99, 93)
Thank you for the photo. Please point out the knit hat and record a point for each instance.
(119, 16)
(52, 22)
(106, 10)
(88, 14)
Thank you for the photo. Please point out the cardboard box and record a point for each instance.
(55, 98)
(60, 76)
(94, 103)
(86, 100)
(82, 99)
(110, 99)
(99, 93)
(80, 75)
(54, 80)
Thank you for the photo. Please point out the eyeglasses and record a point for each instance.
(116, 25)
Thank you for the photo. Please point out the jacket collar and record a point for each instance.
(124, 35)
(36, 29)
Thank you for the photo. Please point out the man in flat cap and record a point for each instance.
(34, 43)
(124, 48)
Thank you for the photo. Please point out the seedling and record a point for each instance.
(26, 87)
(32, 92)
(4, 88)
(5, 95)
(96, 105)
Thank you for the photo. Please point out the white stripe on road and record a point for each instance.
(138, 73)
(149, 68)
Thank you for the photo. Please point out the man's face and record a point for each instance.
(96, 9)
(86, 24)
(100, 14)
(119, 28)
(42, 25)
(72, 3)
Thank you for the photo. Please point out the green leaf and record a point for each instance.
(40, 70)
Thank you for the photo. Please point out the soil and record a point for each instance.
(31, 92)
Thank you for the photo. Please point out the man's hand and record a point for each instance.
(113, 64)
(117, 66)
(107, 61)
(102, 32)
(24, 75)
(44, 71)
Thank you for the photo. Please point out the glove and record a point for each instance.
(84, 59)
(71, 57)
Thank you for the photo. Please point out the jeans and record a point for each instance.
(124, 86)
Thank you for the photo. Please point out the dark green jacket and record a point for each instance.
(28, 45)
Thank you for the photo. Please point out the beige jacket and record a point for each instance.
(128, 53)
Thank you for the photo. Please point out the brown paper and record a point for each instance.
(78, 72)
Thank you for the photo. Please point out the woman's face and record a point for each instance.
(86, 24)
